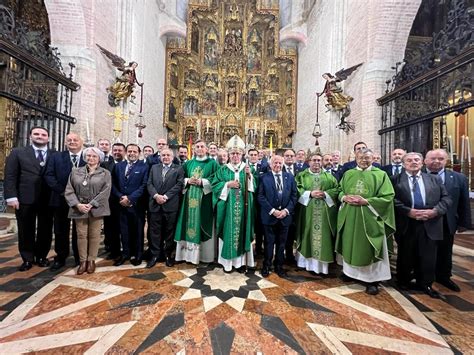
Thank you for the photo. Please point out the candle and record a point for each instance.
(462, 149)
(468, 150)
(451, 150)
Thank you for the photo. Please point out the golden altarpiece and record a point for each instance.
(230, 76)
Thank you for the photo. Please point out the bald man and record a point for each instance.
(56, 176)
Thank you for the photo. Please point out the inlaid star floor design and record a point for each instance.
(185, 309)
(215, 286)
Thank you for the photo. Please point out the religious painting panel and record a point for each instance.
(230, 76)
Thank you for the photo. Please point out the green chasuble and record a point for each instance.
(362, 229)
(316, 222)
(195, 217)
(230, 221)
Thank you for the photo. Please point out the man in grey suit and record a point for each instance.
(165, 184)
(421, 200)
(458, 217)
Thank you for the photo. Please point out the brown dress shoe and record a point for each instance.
(82, 268)
(90, 266)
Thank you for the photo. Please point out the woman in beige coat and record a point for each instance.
(87, 194)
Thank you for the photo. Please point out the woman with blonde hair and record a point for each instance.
(87, 194)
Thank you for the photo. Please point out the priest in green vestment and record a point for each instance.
(194, 230)
(316, 217)
(233, 187)
(365, 220)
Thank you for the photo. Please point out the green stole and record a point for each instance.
(362, 229)
(195, 217)
(230, 213)
(316, 222)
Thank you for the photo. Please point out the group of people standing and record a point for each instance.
(310, 211)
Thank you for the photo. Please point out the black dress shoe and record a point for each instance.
(345, 278)
(57, 265)
(169, 262)
(136, 261)
(265, 271)
(430, 292)
(42, 262)
(121, 260)
(372, 289)
(450, 284)
(152, 262)
(25, 266)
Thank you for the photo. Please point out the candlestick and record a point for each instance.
(462, 149)
(451, 149)
(468, 150)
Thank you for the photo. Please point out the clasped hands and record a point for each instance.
(195, 181)
(355, 200)
(84, 207)
(422, 215)
(280, 214)
(317, 194)
(125, 202)
(234, 184)
(160, 199)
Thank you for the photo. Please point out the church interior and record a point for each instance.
(312, 75)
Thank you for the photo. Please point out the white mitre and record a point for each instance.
(235, 143)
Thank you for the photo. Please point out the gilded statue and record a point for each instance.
(337, 100)
(124, 84)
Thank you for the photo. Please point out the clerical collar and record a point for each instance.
(237, 167)
(313, 173)
(201, 158)
(367, 169)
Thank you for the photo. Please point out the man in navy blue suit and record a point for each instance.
(56, 176)
(352, 164)
(457, 217)
(277, 199)
(395, 167)
(129, 180)
(301, 163)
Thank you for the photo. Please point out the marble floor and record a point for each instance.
(189, 310)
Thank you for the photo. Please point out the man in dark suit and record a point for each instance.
(336, 159)
(328, 165)
(277, 199)
(56, 176)
(27, 192)
(289, 167)
(260, 169)
(129, 181)
(395, 167)
(182, 154)
(301, 164)
(421, 200)
(458, 216)
(352, 164)
(112, 222)
(165, 183)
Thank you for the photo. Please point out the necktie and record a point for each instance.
(40, 155)
(164, 171)
(279, 185)
(74, 160)
(397, 169)
(417, 198)
(128, 170)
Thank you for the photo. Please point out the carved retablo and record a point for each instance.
(230, 76)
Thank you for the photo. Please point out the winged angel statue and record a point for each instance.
(125, 83)
(337, 100)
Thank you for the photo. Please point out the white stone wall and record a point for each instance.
(340, 34)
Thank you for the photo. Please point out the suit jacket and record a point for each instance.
(299, 169)
(171, 186)
(134, 186)
(57, 173)
(286, 171)
(436, 197)
(108, 163)
(459, 215)
(389, 169)
(261, 168)
(268, 197)
(24, 177)
(350, 165)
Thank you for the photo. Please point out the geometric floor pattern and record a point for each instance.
(203, 310)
